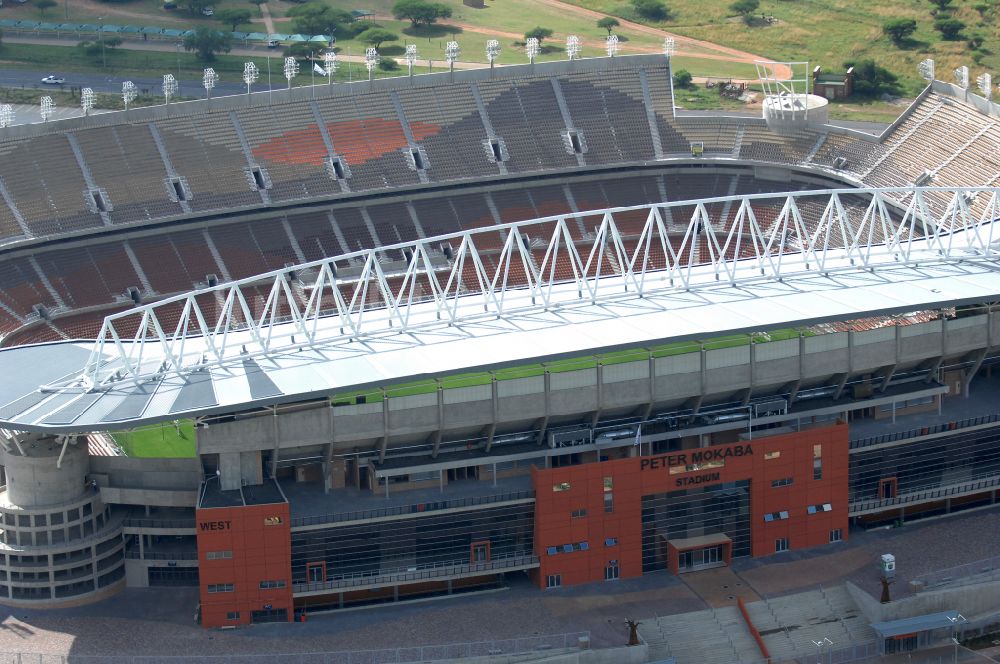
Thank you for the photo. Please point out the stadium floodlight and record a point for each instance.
(208, 79)
(492, 52)
(612, 45)
(372, 59)
(962, 77)
(6, 115)
(129, 93)
(169, 87)
(573, 47)
(532, 48)
(926, 69)
(87, 100)
(668, 47)
(410, 57)
(46, 108)
(291, 70)
(985, 84)
(451, 52)
(330, 65)
(250, 74)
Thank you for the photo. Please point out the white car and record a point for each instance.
(208, 11)
(52, 79)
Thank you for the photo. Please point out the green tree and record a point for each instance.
(43, 5)
(314, 18)
(899, 29)
(258, 3)
(745, 8)
(608, 23)
(683, 78)
(375, 36)
(941, 4)
(233, 17)
(195, 6)
(112, 42)
(207, 42)
(950, 28)
(871, 80)
(654, 10)
(388, 64)
(420, 12)
(539, 33)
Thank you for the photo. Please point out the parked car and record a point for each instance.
(273, 43)
(52, 79)
(208, 11)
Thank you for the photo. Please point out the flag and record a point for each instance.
(638, 436)
(319, 70)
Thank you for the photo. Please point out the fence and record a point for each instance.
(960, 575)
(498, 648)
(924, 431)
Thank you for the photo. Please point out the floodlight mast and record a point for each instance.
(372, 59)
(330, 62)
(6, 115)
(46, 107)
(87, 100)
(250, 74)
(169, 87)
(573, 47)
(410, 57)
(209, 79)
(985, 83)
(451, 52)
(612, 45)
(668, 47)
(780, 82)
(291, 70)
(492, 52)
(532, 48)
(962, 77)
(926, 69)
(129, 93)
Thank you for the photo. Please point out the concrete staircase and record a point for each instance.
(702, 637)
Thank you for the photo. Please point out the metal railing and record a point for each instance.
(924, 431)
(133, 554)
(497, 650)
(921, 496)
(987, 569)
(410, 574)
(415, 508)
(132, 522)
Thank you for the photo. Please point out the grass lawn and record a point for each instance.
(162, 441)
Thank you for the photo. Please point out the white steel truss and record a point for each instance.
(542, 264)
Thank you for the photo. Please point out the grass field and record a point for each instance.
(162, 441)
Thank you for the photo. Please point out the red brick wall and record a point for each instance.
(636, 477)
(260, 553)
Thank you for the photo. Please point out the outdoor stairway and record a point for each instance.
(702, 637)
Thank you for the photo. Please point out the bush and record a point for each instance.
(654, 10)
(745, 8)
(950, 28)
(682, 78)
(871, 80)
(899, 29)
(941, 4)
(538, 33)
(388, 64)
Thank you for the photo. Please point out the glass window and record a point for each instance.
(272, 520)
(612, 571)
(562, 486)
(578, 514)
(836, 535)
(553, 581)
(609, 502)
(233, 615)
(552, 550)
(781, 544)
(817, 469)
(772, 455)
(567, 548)
(611, 541)
(609, 483)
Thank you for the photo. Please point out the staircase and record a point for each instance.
(702, 637)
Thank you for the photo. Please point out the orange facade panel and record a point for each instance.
(588, 518)
(245, 564)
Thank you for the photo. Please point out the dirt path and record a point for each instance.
(265, 15)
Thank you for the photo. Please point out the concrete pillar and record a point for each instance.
(229, 471)
(33, 480)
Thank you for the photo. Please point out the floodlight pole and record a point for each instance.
(669, 47)
(6, 115)
(129, 93)
(250, 74)
(209, 79)
(573, 47)
(330, 60)
(45, 107)
(169, 87)
(531, 48)
(451, 53)
(371, 61)
(612, 45)
(492, 53)
(291, 70)
(411, 58)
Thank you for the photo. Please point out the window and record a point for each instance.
(220, 588)
(552, 550)
(233, 615)
(553, 580)
(825, 507)
(562, 486)
(219, 555)
(612, 571)
(817, 462)
(776, 516)
(269, 585)
(611, 541)
(609, 502)
(771, 455)
(609, 484)
(784, 481)
(578, 514)
(272, 520)
(567, 548)
(582, 546)
(781, 544)
(836, 535)
(677, 470)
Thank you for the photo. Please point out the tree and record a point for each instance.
(314, 18)
(871, 80)
(43, 5)
(258, 3)
(539, 33)
(420, 11)
(112, 42)
(745, 8)
(941, 4)
(899, 29)
(682, 78)
(233, 17)
(654, 10)
(195, 6)
(207, 42)
(375, 36)
(950, 28)
(608, 23)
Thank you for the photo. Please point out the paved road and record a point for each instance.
(113, 84)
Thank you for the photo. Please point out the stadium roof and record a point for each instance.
(583, 291)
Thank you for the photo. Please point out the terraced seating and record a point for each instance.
(712, 636)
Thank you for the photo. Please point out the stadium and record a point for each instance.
(384, 340)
